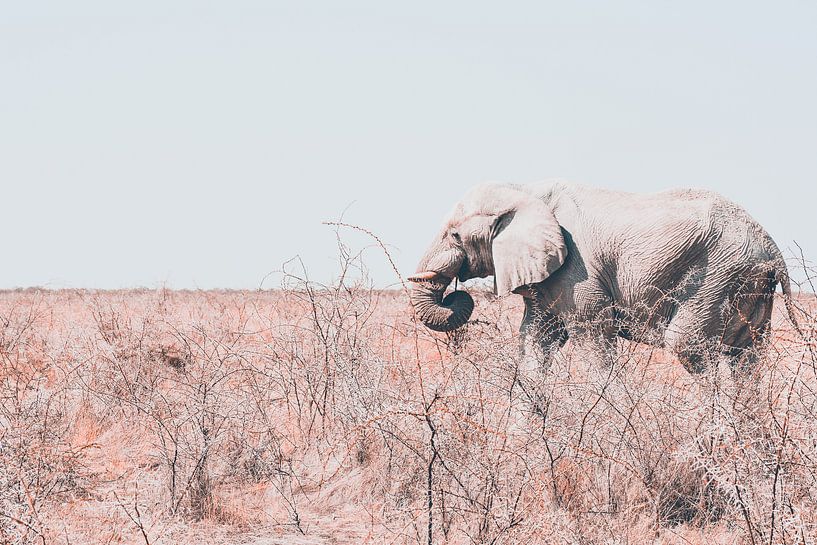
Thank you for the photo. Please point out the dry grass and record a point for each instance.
(324, 414)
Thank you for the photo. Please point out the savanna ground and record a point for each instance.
(326, 414)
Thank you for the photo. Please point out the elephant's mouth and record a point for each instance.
(435, 311)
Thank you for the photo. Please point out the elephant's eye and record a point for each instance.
(456, 236)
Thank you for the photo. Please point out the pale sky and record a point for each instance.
(200, 144)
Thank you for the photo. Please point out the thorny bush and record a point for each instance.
(263, 411)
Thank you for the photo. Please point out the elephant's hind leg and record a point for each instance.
(686, 336)
(731, 322)
(748, 328)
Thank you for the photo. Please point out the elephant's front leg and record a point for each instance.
(541, 334)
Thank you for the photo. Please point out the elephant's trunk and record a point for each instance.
(436, 312)
(437, 268)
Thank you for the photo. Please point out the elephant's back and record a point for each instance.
(729, 224)
(654, 230)
(741, 235)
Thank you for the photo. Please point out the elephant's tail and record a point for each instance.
(781, 275)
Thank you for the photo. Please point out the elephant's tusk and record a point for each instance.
(426, 276)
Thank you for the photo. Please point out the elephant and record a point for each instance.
(685, 269)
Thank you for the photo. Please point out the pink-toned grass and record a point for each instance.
(325, 414)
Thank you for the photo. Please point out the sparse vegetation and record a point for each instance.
(325, 414)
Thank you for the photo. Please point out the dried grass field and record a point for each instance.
(326, 414)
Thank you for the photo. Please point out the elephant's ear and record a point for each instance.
(528, 247)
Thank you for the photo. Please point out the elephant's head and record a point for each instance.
(498, 230)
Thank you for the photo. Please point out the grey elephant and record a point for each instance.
(685, 269)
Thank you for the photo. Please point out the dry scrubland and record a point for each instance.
(324, 414)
